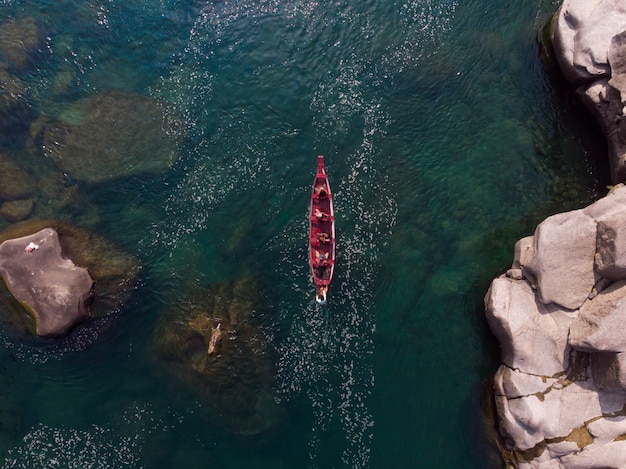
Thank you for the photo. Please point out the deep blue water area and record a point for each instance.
(447, 134)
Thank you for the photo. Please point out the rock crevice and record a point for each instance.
(559, 312)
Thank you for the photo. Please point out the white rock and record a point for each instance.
(600, 324)
(609, 456)
(529, 420)
(524, 326)
(607, 429)
(562, 264)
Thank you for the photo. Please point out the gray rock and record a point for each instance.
(589, 45)
(599, 321)
(610, 258)
(609, 456)
(576, 260)
(523, 252)
(529, 420)
(564, 247)
(523, 326)
(617, 62)
(52, 289)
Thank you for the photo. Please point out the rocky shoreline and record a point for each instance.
(559, 311)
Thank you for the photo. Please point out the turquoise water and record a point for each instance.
(446, 139)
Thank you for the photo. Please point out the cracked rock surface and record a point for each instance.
(560, 391)
(589, 40)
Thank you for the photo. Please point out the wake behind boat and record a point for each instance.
(321, 233)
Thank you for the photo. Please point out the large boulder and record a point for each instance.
(563, 250)
(15, 181)
(55, 291)
(16, 210)
(114, 271)
(515, 316)
(113, 135)
(560, 391)
(589, 40)
(599, 321)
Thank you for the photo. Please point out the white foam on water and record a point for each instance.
(36, 350)
(323, 357)
(96, 446)
(326, 352)
(51, 447)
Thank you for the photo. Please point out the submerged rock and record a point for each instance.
(16, 210)
(215, 347)
(55, 291)
(112, 135)
(15, 181)
(19, 40)
(114, 271)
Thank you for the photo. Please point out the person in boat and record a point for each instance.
(321, 294)
(321, 259)
(320, 191)
(323, 237)
(321, 216)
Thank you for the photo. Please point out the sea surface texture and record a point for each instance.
(447, 135)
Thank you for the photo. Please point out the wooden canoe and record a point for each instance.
(321, 233)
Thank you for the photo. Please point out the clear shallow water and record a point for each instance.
(446, 140)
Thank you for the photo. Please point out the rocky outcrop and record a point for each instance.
(108, 136)
(51, 288)
(560, 310)
(589, 39)
(561, 389)
(114, 271)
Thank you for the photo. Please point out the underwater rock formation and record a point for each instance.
(214, 345)
(16, 210)
(113, 271)
(15, 181)
(20, 39)
(113, 135)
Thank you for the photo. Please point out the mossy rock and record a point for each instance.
(15, 181)
(20, 39)
(16, 210)
(214, 346)
(113, 135)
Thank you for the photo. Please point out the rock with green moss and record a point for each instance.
(113, 135)
(16, 210)
(559, 315)
(20, 40)
(15, 181)
(213, 345)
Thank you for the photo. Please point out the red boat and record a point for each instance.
(321, 233)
